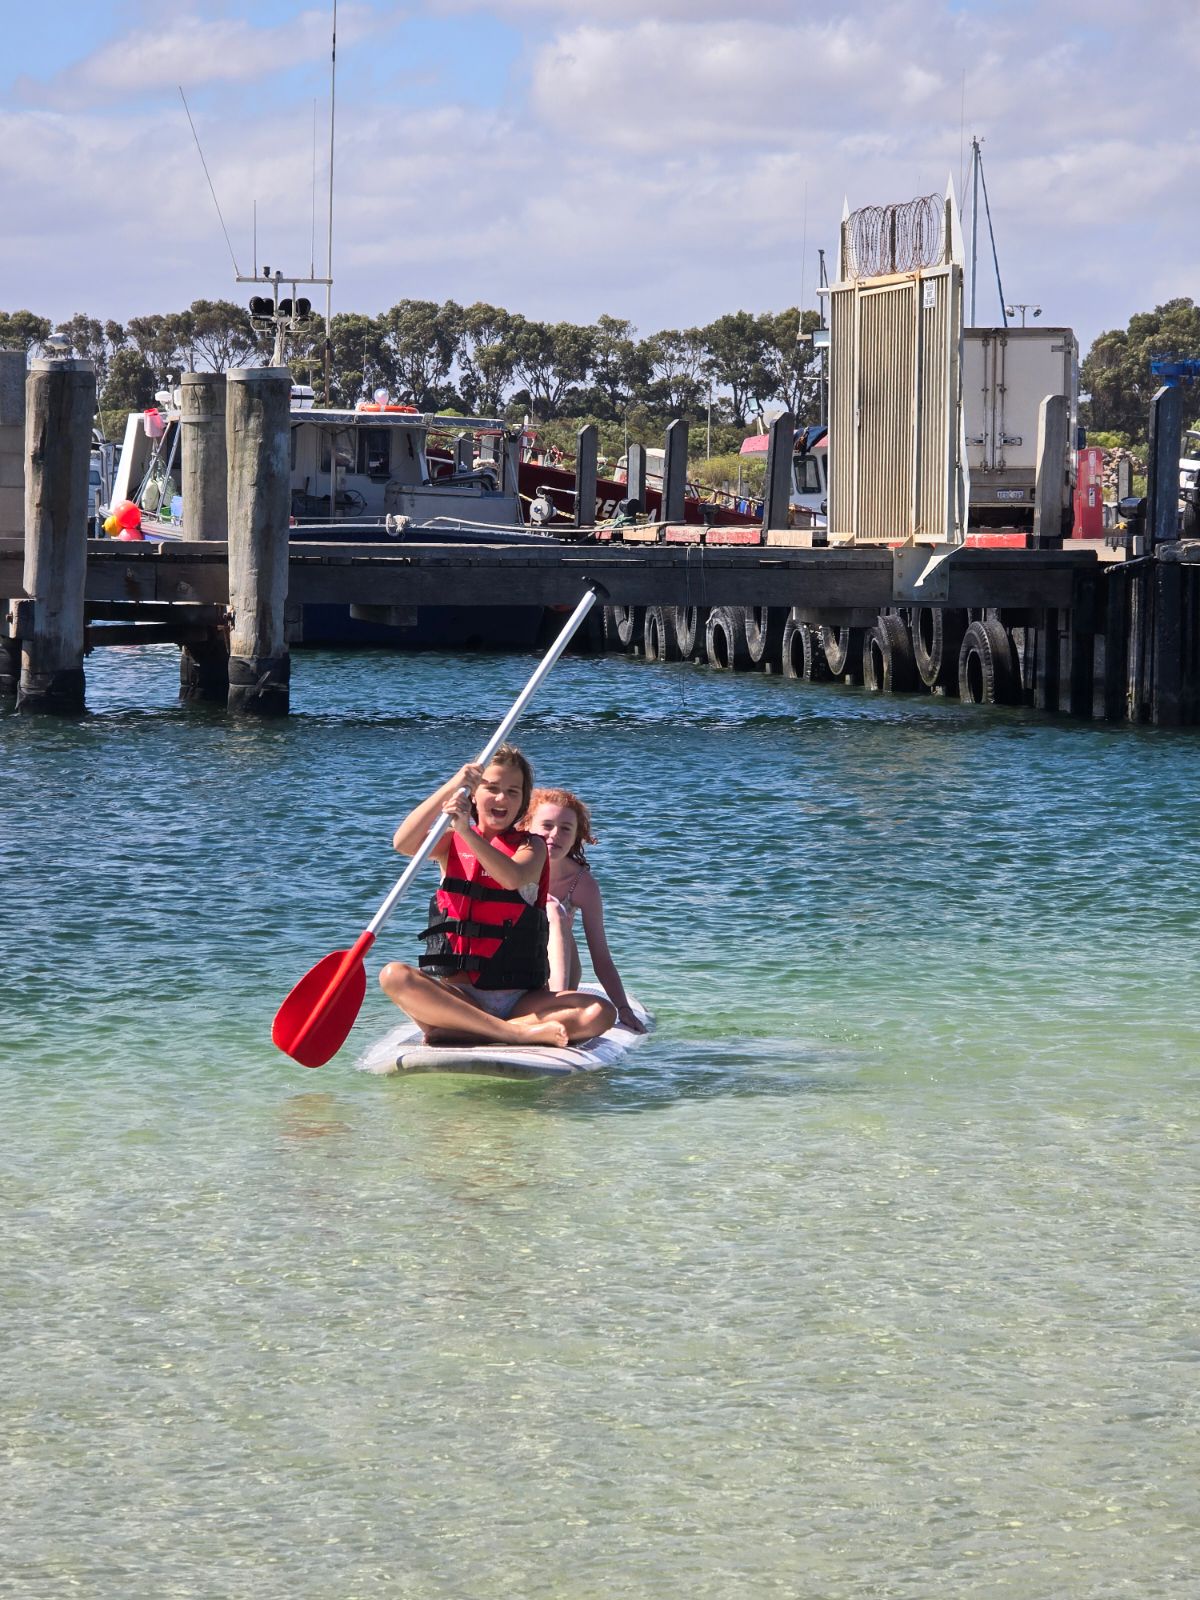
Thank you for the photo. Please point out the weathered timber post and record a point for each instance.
(204, 486)
(1049, 495)
(464, 452)
(587, 445)
(1047, 661)
(1081, 645)
(1162, 529)
(258, 402)
(12, 497)
(1116, 623)
(635, 474)
(60, 403)
(777, 491)
(674, 484)
(1124, 478)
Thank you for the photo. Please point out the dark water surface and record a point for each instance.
(872, 1273)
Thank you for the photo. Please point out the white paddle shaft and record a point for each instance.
(485, 755)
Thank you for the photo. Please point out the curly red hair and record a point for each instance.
(571, 802)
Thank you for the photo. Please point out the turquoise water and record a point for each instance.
(872, 1273)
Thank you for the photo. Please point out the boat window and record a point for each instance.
(808, 478)
(345, 449)
(374, 456)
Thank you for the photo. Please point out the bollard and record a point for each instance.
(60, 402)
(674, 484)
(258, 407)
(777, 490)
(1050, 494)
(204, 667)
(12, 497)
(587, 446)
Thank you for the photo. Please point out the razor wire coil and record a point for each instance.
(906, 237)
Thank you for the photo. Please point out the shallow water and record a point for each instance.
(871, 1273)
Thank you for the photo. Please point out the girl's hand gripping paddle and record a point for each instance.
(312, 1023)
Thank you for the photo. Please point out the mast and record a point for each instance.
(974, 219)
(329, 242)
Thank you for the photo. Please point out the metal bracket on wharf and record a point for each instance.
(921, 573)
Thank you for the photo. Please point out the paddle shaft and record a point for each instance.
(426, 846)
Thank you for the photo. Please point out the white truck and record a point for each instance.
(1006, 374)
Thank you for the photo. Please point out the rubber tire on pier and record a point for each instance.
(987, 668)
(658, 636)
(764, 633)
(685, 626)
(801, 653)
(843, 651)
(937, 635)
(725, 640)
(888, 665)
(625, 625)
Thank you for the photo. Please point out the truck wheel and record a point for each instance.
(937, 634)
(685, 625)
(843, 651)
(888, 666)
(987, 669)
(725, 640)
(658, 636)
(764, 633)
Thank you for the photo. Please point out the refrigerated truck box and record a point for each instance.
(1006, 374)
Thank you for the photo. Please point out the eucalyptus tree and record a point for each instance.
(23, 330)
(551, 361)
(420, 343)
(1116, 373)
(486, 357)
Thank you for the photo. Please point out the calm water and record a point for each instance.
(871, 1274)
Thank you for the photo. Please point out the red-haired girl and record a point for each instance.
(565, 823)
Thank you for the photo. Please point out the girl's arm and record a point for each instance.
(556, 949)
(591, 909)
(515, 871)
(410, 835)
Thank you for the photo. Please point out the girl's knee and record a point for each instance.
(600, 1016)
(396, 977)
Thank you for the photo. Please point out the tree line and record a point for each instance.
(478, 360)
(483, 360)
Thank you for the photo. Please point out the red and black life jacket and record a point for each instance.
(490, 935)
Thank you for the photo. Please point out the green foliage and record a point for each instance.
(130, 386)
(1107, 439)
(22, 330)
(1116, 374)
(722, 472)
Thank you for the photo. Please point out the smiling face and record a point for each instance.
(558, 825)
(500, 798)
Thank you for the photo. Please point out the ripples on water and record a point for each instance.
(870, 1274)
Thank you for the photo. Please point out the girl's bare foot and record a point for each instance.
(534, 1031)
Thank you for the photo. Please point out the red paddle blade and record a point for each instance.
(312, 1023)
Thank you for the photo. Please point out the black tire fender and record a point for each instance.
(937, 635)
(658, 636)
(626, 625)
(725, 640)
(888, 665)
(843, 651)
(987, 668)
(685, 626)
(764, 633)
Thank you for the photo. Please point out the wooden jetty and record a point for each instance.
(1059, 628)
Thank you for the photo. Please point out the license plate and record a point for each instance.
(1010, 494)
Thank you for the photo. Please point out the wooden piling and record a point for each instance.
(635, 474)
(204, 476)
(674, 484)
(60, 403)
(1116, 623)
(777, 495)
(587, 446)
(1081, 646)
(1050, 491)
(1162, 467)
(258, 404)
(1167, 683)
(12, 499)
(1047, 661)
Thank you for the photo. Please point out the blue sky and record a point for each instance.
(662, 162)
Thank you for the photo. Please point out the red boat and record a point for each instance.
(547, 475)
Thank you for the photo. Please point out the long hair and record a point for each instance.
(509, 756)
(572, 802)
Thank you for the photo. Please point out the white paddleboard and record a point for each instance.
(403, 1050)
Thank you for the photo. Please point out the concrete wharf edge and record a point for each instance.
(831, 581)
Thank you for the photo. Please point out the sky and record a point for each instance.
(662, 162)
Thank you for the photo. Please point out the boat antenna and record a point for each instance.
(329, 246)
(211, 190)
(312, 238)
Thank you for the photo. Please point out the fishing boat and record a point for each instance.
(363, 476)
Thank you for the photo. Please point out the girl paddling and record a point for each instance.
(564, 822)
(485, 973)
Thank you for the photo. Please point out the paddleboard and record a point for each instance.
(403, 1051)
